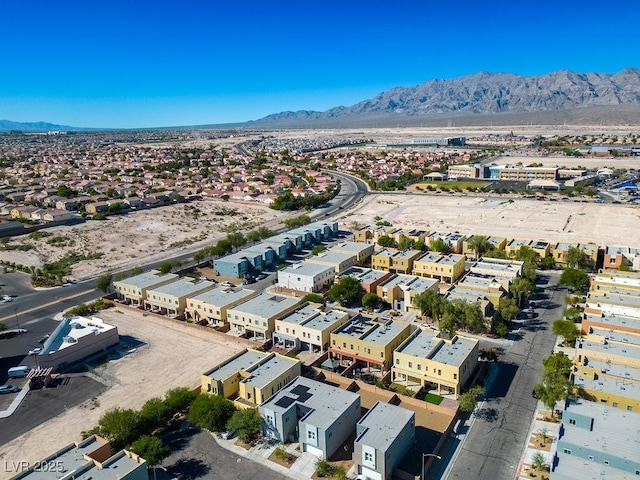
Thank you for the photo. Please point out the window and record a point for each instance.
(351, 346)
(615, 404)
(629, 408)
(567, 451)
(397, 361)
(455, 376)
(572, 421)
(439, 372)
(381, 354)
(419, 367)
(368, 457)
(311, 435)
(410, 364)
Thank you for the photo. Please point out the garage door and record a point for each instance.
(315, 451)
(371, 474)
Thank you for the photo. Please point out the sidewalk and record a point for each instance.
(302, 469)
(16, 402)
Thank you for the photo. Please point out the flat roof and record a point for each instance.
(370, 275)
(266, 370)
(260, 248)
(230, 366)
(467, 294)
(454, 352)
(71, 329)
(236, 257)
(518, 243)
(384, 253)
(115, 467)
(615, 370)
(314, 318)
(331, 257)
(429, 257)
(182, 287)
(221, 296)
(382, 424)
(617, 336)
(610, 348)
(407, 254)
(71, 458)
(265, 305)
(410, 282)
(353, 247)
(614, 431)
(147, 279)
(605, 298)
(618, 280)
(306, 268)
(476, 281)
(450, 259)
(313, 395)
(614, 320)
(383, 334)
(421, 344)
(358, 326)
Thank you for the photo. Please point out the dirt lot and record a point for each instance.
(146, 235)
(173, 355)
(521, 218)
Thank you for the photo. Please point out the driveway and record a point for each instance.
(495, 442)
(196, 455)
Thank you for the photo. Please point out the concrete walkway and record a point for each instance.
(302, 469)
(16, 402)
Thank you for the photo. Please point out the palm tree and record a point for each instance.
(479, 244)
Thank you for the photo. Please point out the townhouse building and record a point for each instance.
(255, 318)
(426, 360)
(250, 377)
(133, 290)
(400, 290)
(171, 298)
(445, 268)
(307, 277)
(212, 306)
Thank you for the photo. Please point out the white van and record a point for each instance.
(18, 372)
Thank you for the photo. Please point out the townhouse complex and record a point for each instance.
(599, 431)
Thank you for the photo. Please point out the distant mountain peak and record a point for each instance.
(487, 93)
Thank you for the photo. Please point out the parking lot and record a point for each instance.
(170, 354)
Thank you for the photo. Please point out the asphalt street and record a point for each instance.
(495, 442)
(195, 454)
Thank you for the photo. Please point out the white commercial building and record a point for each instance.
(306, 277)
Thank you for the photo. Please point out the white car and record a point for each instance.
(35, 351)
(8, 389)
(227, 284)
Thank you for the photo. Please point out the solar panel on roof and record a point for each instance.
(285, 401)
(299, 389)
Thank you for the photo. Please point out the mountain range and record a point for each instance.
(484, 94)
(478, 99)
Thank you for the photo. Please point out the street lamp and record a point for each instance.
(427, 455)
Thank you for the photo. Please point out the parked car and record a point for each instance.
(43, 339)
(35, 351)
(262, 276)
(227, 284)
(8, 389)
(227, 434)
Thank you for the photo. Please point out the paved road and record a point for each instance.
(195, 454)
(494, 444)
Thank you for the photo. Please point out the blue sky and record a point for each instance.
(141, 63)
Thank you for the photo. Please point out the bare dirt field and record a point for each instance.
(173, 355)
(147, 235)
(499, 216)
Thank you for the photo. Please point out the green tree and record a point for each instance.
(155, 413)
(211, 412)
(501, 329)
(575, 278)
(165, 267)
(521, 289)
(314, 298)
(370, 301)
(468, 400)
(420, 245)
(448, 324)
(429, 303)
(473, 318)
(547, 263)
(252, 236)
(151, 449)
(508, 309)
(264, 232)
(114, 207)
(567, 330)
(576, 258)
(236, 239)
(120, 426)
(247, 423)
(3, 327)
(406, 243)
(317, 249)
(479, 244)
(103, 283)
(136, 271)
(346, 291)
(179, 399)
(555, 385)
(539, 462)
(439, 245)
(496, 253)
(386, 241)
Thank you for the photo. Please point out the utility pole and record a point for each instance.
(15, 314)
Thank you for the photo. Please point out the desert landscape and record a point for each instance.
(553, 221)
(151, 366)
(140, 237)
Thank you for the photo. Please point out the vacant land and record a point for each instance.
(172, 355)
(140, 237)
(462, 185)
(512, 218)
